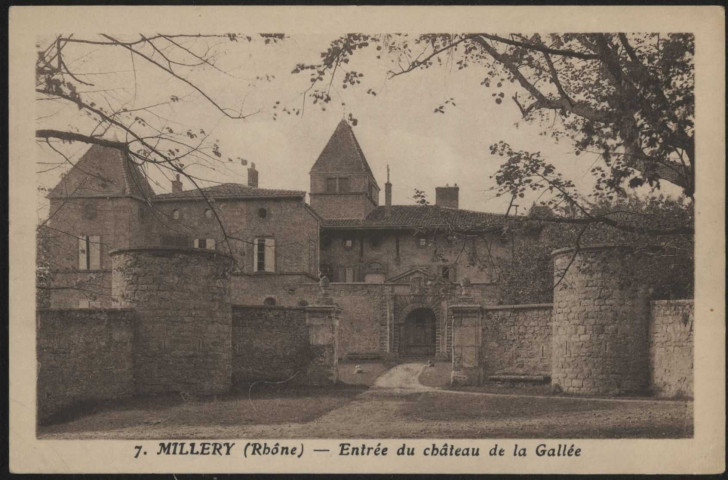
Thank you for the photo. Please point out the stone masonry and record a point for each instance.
(269, 343)
(83, 355)
(184, 328)
(599, 323)
(517, 340)
(671, 348)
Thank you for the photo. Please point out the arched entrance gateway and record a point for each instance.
(418, 333)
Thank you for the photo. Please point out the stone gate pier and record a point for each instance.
(322, 319)
(467, 339)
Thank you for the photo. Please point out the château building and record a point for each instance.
(395, 270)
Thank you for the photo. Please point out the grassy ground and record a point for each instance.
(265, 405)
(347, 410)
(340, 413)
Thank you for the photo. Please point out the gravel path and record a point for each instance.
(402, 378)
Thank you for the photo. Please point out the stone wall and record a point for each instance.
(517, 340)
(285, 290)
(269, 343)
(671, 348)
(118, 221)
(288, 221)
(363, 320)
(600, 322)
(83, 355)
(363, 313)
(184, 326)
(395, 253)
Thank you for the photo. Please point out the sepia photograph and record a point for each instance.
(364, 236)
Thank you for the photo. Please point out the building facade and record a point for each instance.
(395, 270)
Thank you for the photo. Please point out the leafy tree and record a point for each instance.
(628, 97)
(137, 127)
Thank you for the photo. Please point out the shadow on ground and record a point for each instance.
(350, 410)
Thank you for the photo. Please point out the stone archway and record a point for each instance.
(418, 333)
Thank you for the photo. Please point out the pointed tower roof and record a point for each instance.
(103, 172)
(342, 154)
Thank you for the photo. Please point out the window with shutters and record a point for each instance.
(89, 252)
(347, 274)
(264, 255)
(205, 243)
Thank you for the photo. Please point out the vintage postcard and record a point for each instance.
(367, 239)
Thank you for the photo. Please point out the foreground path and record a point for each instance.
(402, 378)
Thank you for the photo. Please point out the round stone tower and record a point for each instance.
(600, 322)
(183, 334)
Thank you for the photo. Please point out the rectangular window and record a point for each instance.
(347, 274)
(264, 255)
(206, 243)
(331, 185)
(89, 252)
(343, 185)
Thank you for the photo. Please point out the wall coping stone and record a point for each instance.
(268, 307)
(108, 309)
(523, 306)
(321, 308)
(677, 301)
(466, 306)
(168, 250)
(595, 247)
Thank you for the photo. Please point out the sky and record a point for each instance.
(397, 128)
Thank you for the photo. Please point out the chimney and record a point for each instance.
(252, 175)
(176, 185)
(447, 196)
(388, 196)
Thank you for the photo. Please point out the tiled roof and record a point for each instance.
(103, 171)
(342, 154)
(231, 191)
(422, 216)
